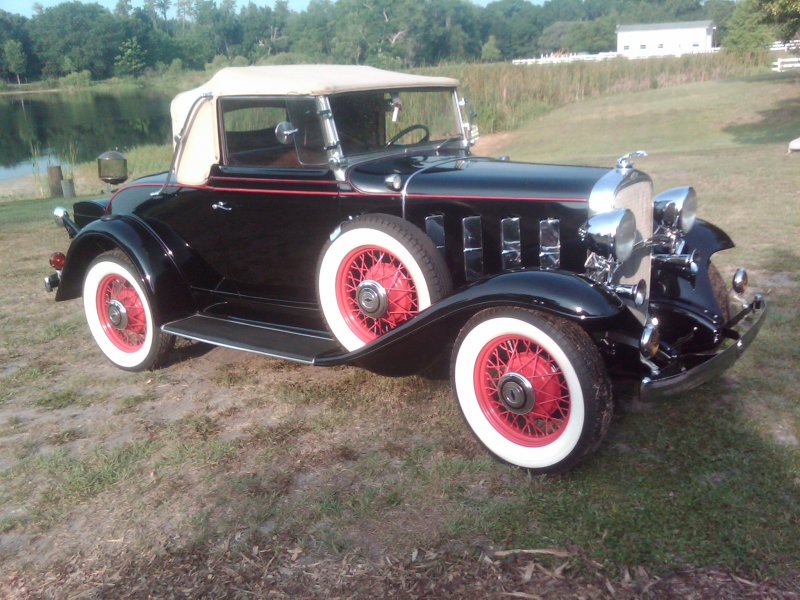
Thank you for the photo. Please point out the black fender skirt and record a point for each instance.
(170, 292)
(417, 343)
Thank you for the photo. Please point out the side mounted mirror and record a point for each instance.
(284, 132)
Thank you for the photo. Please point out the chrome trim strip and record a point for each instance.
(651, 389)
(434, 227)
(473, 247)
(510, 243)
(550, 243)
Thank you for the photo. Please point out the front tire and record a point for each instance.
(120, 314)
(532, 388)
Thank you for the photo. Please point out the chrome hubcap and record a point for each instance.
(372, 299)
(516, 393)
(117, 314)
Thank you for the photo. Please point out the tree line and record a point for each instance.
(77, 37)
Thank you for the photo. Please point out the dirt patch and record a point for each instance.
(493, 144)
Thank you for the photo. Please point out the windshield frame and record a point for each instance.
(338, 159)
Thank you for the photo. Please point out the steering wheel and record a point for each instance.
(408, 130)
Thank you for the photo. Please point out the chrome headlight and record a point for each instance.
(676, 208)
(611, 234)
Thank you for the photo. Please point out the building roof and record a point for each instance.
(661, 26)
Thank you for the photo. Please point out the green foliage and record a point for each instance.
(746, 32)
(131, 59)
(86, 34)
(490, 52)
(785, 13)
(395, 34)
(15, 60)
(80, 79)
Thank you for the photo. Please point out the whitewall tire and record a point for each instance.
(376, 274)
(120, 314)
(532, 388)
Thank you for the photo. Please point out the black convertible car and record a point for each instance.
(335, 214)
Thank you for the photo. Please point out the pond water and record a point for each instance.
(60, 127)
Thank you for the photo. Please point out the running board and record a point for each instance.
(276, 341)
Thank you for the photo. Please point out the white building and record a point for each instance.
(665, 39)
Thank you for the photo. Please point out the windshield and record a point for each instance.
(375, 120)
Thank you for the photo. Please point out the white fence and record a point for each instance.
(784, 64)
(555, 59)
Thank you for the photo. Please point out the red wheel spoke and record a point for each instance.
(129, 333)
(383, 268)
(520, 356)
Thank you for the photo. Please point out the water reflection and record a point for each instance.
(49, 124)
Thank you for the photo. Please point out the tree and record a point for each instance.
(746, 31)
(515, 25)
(87, 34)
(784, 13)
(490, 52)
(15, 59)
(557, 37)
(131, 58)
(123, 8)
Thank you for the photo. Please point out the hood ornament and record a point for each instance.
(626, 162)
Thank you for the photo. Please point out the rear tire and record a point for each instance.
(120, 314)
(532, 388)
(377, 273)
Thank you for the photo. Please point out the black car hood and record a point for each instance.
(479, 178)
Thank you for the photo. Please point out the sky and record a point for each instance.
(25, 7)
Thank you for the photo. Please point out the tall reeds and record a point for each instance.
(36, 162)
(506, 95)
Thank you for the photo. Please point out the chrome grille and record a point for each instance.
(638, 198)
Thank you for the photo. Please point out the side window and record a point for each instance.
(249, 132)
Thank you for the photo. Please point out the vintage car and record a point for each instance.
(335, 215)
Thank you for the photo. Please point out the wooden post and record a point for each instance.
(54, 178)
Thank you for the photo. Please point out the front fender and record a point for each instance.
(412, 346)
(169, 290)
(707, 238)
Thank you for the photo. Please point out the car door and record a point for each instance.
(275, 199)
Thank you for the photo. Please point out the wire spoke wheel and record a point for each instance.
(375, 274)
(393, 298)
(533, 388)
(120, 314)
(547, 408)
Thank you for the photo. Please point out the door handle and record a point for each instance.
(221, 206)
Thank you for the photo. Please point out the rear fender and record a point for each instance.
(412, 346)
(169, 290)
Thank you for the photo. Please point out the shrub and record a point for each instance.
(80, 79)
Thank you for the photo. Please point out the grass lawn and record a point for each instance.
(225, 472)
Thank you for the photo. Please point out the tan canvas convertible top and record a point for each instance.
(201, 148)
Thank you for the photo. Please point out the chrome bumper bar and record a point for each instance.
(748, 323)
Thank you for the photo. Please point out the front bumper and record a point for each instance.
(747, 325)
